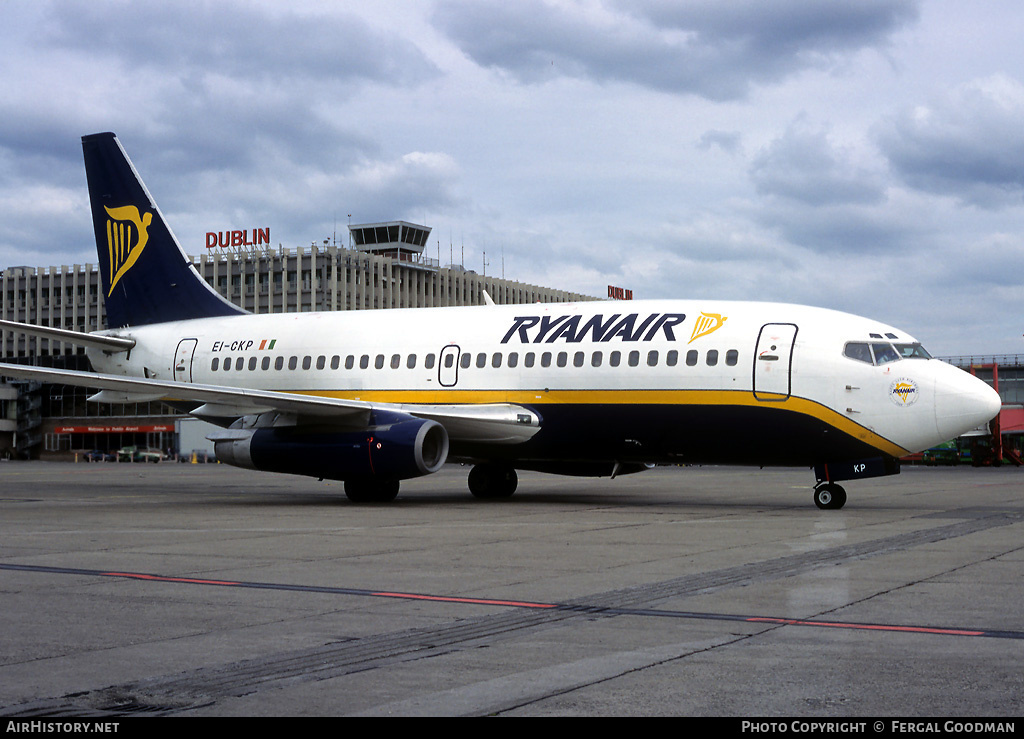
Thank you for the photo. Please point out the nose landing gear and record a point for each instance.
(829, 496)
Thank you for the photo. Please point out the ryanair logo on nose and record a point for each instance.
(705, 324)
(903, 392)
(127, 234)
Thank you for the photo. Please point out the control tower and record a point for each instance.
(399, 240)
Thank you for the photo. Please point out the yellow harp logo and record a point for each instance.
(127, 234)
(707, 323)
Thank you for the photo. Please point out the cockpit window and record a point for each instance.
(859, 351)
(912, 351)
(884, 353)
(879, 353)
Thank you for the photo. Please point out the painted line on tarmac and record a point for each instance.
(645, 612)
(274, 586)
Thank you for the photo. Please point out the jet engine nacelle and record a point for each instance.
(407, 447)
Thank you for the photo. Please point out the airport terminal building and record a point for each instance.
(384, 267)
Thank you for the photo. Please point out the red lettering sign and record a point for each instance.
(236, 238)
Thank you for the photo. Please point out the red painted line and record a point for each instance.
(480, 601)
(137, 576)
(523, 604)
(869, 627)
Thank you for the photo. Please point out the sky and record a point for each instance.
(865, 156)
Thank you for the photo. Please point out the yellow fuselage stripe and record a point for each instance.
(622, 397)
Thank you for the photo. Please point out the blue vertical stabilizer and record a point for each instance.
(147, 278)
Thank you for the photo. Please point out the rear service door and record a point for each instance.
(773, 362)
(183, 360)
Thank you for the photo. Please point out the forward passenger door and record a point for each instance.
(773, 362)
(448, 366)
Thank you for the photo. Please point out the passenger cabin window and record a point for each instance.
(265, 364)
(732, 357)
(214, 363)
(712, 358)
(691, 358)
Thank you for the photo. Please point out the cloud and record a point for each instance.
(804, 166)
(968, 144)
(728, 141)
(237, 40)
(825, 197)
(36, 218)
(312, 202)
(234, 113)
(712, 49)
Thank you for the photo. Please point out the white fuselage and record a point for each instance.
(622, 357)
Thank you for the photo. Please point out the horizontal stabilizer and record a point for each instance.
(94, 341)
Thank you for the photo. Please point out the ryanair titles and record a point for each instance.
(574, 329)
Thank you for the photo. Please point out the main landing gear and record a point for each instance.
(492, 481)
(829, 496)
(371, 491)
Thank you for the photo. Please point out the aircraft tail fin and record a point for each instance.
(147, 278)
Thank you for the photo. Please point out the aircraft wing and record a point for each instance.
(494, 423)
(238, 401)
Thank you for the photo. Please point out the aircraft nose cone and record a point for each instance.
(963, 402)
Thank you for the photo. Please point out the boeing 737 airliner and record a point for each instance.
(604, 388)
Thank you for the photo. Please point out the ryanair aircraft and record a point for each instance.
(601, 389)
